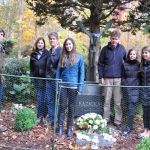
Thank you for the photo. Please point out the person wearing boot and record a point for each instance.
(130, 77)
(145, 90)
(52, 63)
(2, 57)
(70, 69)
(38, 62)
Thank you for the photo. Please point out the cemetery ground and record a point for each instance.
(42, 138)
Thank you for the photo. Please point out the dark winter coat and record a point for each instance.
(131, 77)
(145, 81)
(52, 62)
(38, 67)
(2, 58)
(110, 61)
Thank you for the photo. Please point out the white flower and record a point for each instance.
(100, 117)
(85, 117)
(90, 121)
(97, 122)
(78, 123)
(87, 138)
(80, 136)
(103, 123)
(81, 119)
(93, 115)
(114, 139)
(95, 127)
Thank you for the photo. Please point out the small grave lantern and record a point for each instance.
(95, 142)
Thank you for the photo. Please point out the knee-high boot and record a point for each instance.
(69, 124)
(60, 123)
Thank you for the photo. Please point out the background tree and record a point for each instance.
(94, 14)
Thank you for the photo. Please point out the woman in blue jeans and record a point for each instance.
(70, 69)
(38, 62)
(130, 77)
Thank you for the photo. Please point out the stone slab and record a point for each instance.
(102, 141)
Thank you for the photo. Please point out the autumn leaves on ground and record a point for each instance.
(42, 138)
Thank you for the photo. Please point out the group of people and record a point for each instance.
(64, 64)
(116, 68)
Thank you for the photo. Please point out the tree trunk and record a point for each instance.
(20, 27)
(92, 73)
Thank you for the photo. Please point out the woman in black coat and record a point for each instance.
(130, 77)
(145, 91)
(38, 61)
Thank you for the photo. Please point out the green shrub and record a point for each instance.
(16, 88)
(24, 119)
(144, 144)
(15, 66)
(8, 45)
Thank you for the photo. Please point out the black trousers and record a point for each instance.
(67, 100)
(146, 117)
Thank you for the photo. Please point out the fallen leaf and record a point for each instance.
(6, 138)
(14, 137)
(71, 147)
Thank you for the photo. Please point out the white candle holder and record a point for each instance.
(95, 142)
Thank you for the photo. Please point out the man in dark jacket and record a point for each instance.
(2, 56)
(52, 63)
(109, 69)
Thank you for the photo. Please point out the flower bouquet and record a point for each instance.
(92, 123)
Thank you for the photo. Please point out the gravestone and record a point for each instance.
(102, 141)
(91, 100)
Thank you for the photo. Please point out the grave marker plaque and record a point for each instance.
(90, 101)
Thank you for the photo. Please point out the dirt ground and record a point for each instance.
(42, 138)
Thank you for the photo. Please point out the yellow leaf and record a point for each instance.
(14, 136)
(3, 111)
(47, 146)
(6, 138)
(71, 147)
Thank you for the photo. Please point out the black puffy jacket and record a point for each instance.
(52, 62)
(38, 66)
(145, 91)
(131, 77)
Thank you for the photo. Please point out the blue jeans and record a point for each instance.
(50, 92)
(1, 88)
(42, 102)
(131, 106)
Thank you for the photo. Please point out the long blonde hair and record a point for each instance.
(146, 48)
(72, 54)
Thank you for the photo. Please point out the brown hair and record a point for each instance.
(65, 53)
(35, 44)
(115, 33)
(1, 30)
(146, 48)
(128, 55)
